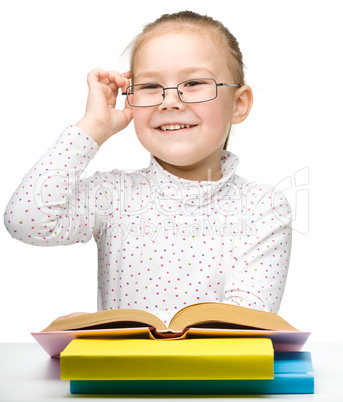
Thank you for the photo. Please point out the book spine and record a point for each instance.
(167, 368)
(281, 384)
(221, 359)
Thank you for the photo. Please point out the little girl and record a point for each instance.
(186, 229)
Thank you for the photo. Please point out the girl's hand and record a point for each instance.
(102, 119)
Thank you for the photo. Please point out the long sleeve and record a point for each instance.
(261, 255)
(48, 208)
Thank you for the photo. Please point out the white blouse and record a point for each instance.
(163, 242)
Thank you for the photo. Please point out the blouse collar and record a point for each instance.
(192, 192)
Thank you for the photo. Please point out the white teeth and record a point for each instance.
(174, 127)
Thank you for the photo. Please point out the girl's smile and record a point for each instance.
(175, 126)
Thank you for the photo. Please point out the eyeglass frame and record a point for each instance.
(218, 84)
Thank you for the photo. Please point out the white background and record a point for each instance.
(293, 54)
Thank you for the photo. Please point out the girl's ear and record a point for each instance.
(243, 103)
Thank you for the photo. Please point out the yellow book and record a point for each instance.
(186, 359)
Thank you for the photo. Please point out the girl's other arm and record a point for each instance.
(261, 256)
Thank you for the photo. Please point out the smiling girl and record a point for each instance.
(186, 229)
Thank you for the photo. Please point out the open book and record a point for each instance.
(220, 314)
(209, 319)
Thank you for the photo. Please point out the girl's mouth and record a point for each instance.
(173, 127)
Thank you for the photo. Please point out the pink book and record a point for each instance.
(54, 342)
(197, 320)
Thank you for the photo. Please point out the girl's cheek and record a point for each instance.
(141, 117)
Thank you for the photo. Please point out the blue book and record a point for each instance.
(293, 374)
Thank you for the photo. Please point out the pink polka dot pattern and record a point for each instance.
(163, 242)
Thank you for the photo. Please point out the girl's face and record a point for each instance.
(168, 60)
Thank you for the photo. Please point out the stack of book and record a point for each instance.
(209, 348)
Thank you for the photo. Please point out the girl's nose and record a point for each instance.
(171, 100)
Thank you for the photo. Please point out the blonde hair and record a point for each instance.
(195, 22)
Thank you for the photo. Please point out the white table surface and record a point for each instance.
(27, 373)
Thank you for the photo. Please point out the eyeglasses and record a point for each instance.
(191, 91)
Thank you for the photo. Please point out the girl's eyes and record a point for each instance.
(193, 83)
(149, 86)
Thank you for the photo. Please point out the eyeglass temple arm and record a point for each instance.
(220, 84)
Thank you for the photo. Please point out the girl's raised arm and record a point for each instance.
(52, 205)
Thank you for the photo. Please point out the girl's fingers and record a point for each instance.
(111, 78)
(95, 75)
(127, 74)
(120, 80)
(126, 77)
(113, 86)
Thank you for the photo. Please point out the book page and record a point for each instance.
(226, 313)
(121, 318)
